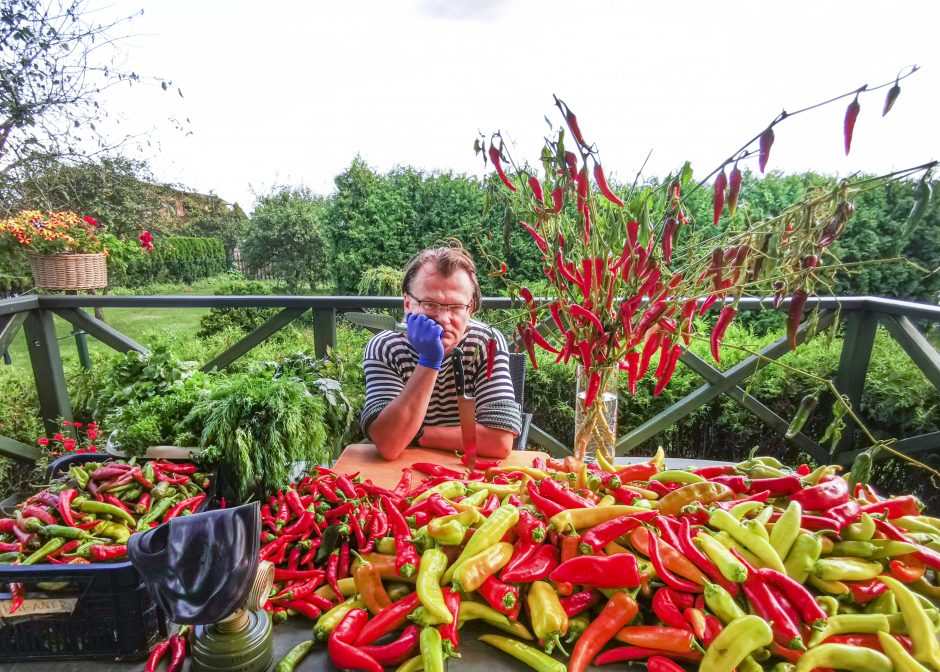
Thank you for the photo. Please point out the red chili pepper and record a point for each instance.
(930, 557)
(178, 508)
(864, 592)
(622, 653)
(143, 504)
(404, 484)
(578, 602)
(601, 535)
(297, 574)
(868, 641)
(178, 648)
(718, 195)
(619, 610)
(670, 579)
(501, 596)
(652, 344)
(159, 651)
(830, 492)
(848, 125)
(766, 142)
(388, 620)
(669, 368)
(600, 571)
(537, 237)
(311, 611)
(662, 664)
(32, 511)
(796, 594)
(536, 188)
(786, 632)
(734, 189)
(495, 159)
(669, 233)
(340, 643)
(449, 631)
(603, 186)
(721, 326)
(525, 332)
(667, 610)
(896, 507)
(780, 486)
(65, 506)
(557, 200)
(491, 345)
(561, 495)
(176, 467)
(406, 560)
(546, 506)
(397, 652)
(795, 315)
(702, 561)
(437, 470)
(540, 566)
(101, 552)
(540, 341)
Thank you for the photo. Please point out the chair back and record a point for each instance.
(517, 366)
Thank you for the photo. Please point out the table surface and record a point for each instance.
(297, 629)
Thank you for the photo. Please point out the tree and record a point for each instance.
(285, 237)
(54, 66)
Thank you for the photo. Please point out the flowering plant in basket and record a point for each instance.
(626, 274)
(47, 233)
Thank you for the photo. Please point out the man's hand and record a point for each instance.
(424, 334)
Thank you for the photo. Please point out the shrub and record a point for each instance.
(218, 320)
(176, 259)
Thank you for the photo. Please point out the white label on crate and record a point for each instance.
(40, 606)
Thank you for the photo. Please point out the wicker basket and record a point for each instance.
(70, 271)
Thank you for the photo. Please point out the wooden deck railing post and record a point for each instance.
(48, 374)
(860, 328)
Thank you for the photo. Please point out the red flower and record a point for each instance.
(57, 437)
(43, 441)
(92, 449)
(146, 241)
(80, 450)
(91, 220)
(92, 434)
(67, 423)
(69, 444)
(92, 425)
(77, 424)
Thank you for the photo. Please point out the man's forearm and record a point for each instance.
(398, 422)
(491, 442)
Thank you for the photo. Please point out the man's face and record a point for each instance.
(428, 285)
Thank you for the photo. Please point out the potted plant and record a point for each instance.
(67, 252)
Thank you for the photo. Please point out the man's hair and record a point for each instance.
(445, 260)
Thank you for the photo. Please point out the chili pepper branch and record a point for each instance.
(847, 406)
(736, 155)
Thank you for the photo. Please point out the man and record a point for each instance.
(410, 392)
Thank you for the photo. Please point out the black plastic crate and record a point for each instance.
(104, 611)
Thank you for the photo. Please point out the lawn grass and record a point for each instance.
(132, 322)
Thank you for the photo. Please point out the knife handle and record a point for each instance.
(459, 381)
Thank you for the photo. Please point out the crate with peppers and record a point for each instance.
(87, 513)
(752, 566)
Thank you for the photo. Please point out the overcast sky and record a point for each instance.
(288, 92)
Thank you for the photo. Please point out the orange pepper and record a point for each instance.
(570, 548)
(619, 610)
(907, 568)
(672, 558)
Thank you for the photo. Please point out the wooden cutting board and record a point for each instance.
(365, 459)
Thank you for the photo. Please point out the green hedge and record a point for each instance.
(176, 259)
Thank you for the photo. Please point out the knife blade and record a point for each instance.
(373, 321)
(467, 409)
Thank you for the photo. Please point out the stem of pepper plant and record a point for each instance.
(784, 115)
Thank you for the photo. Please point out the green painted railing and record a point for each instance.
(862, 315)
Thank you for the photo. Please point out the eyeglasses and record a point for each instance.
(435, 308)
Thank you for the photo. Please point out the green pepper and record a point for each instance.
(844, 657)
(103, 508)
(63, 531)
(720, 602)
(80, 476)
(10, 557)
(432, 649)
(147, 471)
(428, 584)
(332, 538)
(806, 407)
(531, 656)
(328, 621)
(786, 529)
(447, 490)
(863, 530)
(802, 556)
(53, 544)
(859, 549)
(883, 604)
(160, 490)
(490, 531)
(676, 476)
(293, 657)
(111, 530)
(157, 509)
(888, 548)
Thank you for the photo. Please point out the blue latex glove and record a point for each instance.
(425, 334)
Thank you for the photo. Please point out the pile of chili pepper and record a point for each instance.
(88, 514)
(751, 566)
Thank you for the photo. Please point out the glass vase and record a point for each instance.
(595, 426)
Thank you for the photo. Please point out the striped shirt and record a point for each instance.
(389, 361)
